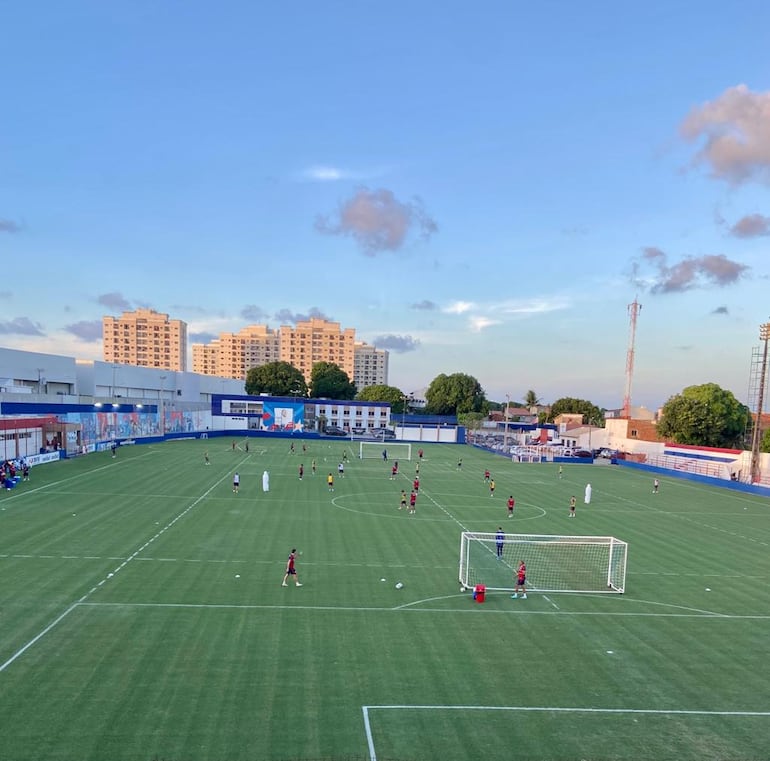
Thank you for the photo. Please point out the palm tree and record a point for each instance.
(530, 399)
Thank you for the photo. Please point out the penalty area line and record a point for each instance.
(542, 709)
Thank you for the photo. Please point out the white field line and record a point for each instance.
(566, 709)
(547, 709)
(405, 608)
(122, 565)
(29, 644)
(17, 496)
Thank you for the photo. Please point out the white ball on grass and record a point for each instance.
(399, 585)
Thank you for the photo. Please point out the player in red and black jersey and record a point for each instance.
(291, 570)
(511, 503)
(521, 581)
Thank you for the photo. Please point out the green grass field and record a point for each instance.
(142, 614)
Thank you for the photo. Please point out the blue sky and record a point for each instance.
(479, 188)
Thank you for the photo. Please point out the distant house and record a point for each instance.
(515, 415)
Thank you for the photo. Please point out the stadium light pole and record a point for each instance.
(756, 471)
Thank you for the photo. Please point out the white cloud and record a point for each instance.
(326, 174)
(459, 307)
(478, 323)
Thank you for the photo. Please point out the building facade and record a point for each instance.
(318, 340)
(232, 355)
(370, 366)
(145, 338)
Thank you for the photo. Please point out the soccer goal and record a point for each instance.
(374, 449)
(554, 563)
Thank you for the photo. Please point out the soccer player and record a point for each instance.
(301, 471)
(486, 476)
(587, 497)
(521, 582)
(385, 455)
(206, 457)
(460, 464)
(233, 445)
(341, 470)
(330, 481)
(416, 485)
(655, 486)
(25, 470)
(247, 446)
(511, 503)
(561, 471)
(291, 448)
(500, 542)
(312, 468)
(403, 500)
(492, 488)
(572, 506)
(419, 454)
(412, 502)
(393, 473)
(236, 482)
(114, 449)
(291, 570)
(417, 469)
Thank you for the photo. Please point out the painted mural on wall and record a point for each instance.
(105, 426)
(282, 416)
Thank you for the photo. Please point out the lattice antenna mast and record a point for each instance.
(633, 311)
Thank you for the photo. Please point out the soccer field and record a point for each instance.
(142, 614)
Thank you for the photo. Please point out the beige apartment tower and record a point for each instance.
(318, 340)
(232, 355)
(145, 338)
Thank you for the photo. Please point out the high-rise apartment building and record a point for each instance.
(145, 338)
(317, 340)
(370, 366)
(232, 355)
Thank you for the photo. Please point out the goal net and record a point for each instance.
(554, 563)
(395, 450)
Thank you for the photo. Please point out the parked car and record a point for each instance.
(333, 430)
(384, 433)
(358, 431)
(582, 453)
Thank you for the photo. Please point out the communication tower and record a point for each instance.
(633, 311)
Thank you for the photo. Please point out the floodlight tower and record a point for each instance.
(764, 335)
(633, 311)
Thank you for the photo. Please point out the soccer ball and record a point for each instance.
(399, 585)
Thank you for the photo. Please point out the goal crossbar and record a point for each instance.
(554, 563)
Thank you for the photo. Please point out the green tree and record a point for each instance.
(398, 401)
(765, 445)
(456, 393)
(592, 415)
(330, 381)
(277, 379)
(705, 415)
(531, 399)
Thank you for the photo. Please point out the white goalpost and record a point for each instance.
(554, 563)
(397, 450)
